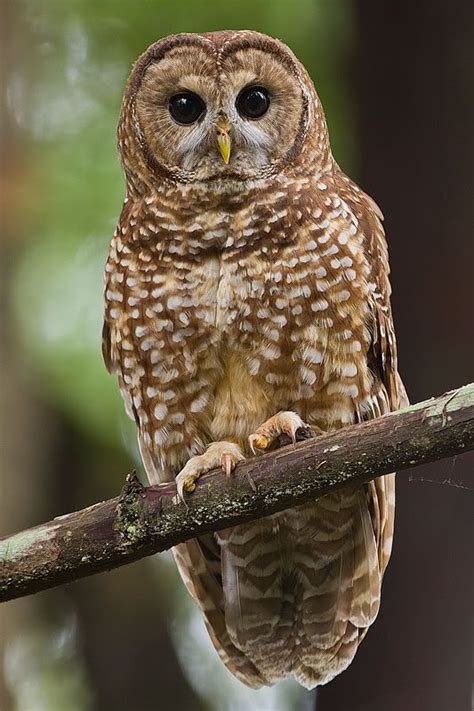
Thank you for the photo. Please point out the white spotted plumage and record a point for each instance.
(239, 297)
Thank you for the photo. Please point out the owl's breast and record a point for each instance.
(295, 331)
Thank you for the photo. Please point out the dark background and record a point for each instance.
(397, 83)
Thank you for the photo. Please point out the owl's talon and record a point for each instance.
(219, 454)
(283, 423)
(258, 441)
(186, 484)
(228, 464)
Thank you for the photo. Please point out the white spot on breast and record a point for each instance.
(271, 352)
(160, 411)
(113, 295)
(349, 370)
(273, 334)
(274, 379)
(253, 366)
(160, 436)
(312, 355)
(165, 376)
(323, 285)
(343, 237)
(319, 305)
(177, 418)
(333, 249)
(151, 391)
(280, 320)
(342, 295)
(162, 324)
(343, 388)
(146, 344)
(199, 403)
(307, 376)
(174, 302)
(320, 272)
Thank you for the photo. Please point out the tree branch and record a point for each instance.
(143, 521)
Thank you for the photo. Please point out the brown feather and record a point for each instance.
(237, 291)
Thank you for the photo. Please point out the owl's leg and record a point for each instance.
(218, 454)
(283, 423)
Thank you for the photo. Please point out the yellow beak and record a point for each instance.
(223, 138)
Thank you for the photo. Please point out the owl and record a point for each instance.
(247, 296)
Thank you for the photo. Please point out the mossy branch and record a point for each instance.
(142, 521)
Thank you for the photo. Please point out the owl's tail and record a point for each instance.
(194, 560)
(301, 588)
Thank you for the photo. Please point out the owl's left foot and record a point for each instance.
(218, 454)
(283, 423)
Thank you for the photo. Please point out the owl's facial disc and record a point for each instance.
(206, 114)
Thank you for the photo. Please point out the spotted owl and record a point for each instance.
(247, 296)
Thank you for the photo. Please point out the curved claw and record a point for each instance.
(223, 454)
(180, 492)
(259, 441)
(285, 422)
(228, 464)
(185, 482)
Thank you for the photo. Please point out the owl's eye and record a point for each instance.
(186, 107)
(253, 102)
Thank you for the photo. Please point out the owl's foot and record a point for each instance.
(275, 429)
(218, 454)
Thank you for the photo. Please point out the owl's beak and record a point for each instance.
(223, 138)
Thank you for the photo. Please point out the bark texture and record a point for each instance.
(142, 521)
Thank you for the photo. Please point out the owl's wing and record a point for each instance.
(107, 355)
(389, 393)
(366, 545)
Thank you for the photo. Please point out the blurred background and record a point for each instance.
(396, 81)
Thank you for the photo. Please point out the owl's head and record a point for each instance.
(223, 105)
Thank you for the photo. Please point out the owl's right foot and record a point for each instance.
(219, 454)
